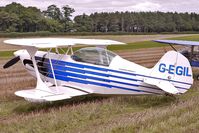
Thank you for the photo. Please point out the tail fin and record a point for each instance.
(172, 73)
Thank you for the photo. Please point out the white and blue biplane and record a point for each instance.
(191, 52)
(94, 70)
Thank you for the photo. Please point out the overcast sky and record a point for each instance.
(90, 6)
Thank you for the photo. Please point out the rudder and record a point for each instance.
(172, 73)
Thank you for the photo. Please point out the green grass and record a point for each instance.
(191, 38)
(47, 34)
(109, 114)
(180, 116)
(6, 53)
(70, 116)
(150, 44)
(136, 45)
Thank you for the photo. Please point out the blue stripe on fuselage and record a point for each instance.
(74, 73)
(61, 63)
(82, 71)
(70, 79)
(60, 73)
(77, 65)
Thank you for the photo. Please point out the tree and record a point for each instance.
(8, 22)
(67, 11)
(53, 25)
(15, 17)
(83, 23)
(15, 8)
(53, 12)
(95, 21)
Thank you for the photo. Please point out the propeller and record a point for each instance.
(11, 62)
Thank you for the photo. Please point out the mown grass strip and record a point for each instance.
(150, 44)
(190, 38)
(6, 53)
(136, 45)
(47, 33)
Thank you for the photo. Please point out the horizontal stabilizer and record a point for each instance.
(168, 87)
(36, 95)
(164, 85)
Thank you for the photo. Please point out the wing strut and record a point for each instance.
(40, 84)
(52, 69)
(191, 55)
(70, 49)
(173, 47)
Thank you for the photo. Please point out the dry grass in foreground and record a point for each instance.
(112, 114)
(103, 114)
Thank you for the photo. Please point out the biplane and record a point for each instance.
(191, 51)
(94, 70)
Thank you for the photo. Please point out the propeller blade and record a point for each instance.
(11, 62)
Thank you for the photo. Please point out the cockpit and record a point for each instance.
(191, 53)
(94, 55)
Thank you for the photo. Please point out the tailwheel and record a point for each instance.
(169, 95)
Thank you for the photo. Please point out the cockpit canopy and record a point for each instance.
(190, 53)
(94, 55)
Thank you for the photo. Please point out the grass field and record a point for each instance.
(144, 114)
(113, 114)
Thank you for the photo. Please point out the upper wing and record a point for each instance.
(179, 42)
(58, 42)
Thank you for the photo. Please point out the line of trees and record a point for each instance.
(17, 18)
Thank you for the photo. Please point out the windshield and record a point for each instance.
(94, 55)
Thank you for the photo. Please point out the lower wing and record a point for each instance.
(53, 94)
